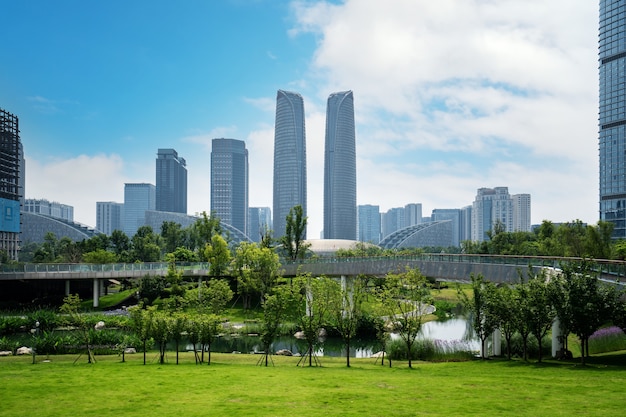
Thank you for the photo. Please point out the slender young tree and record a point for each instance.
(404, 298)
(346, 310)
(482, 309)
(295, 229)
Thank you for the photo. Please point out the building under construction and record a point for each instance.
(11, 185)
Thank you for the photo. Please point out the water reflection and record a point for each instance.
(449, 331)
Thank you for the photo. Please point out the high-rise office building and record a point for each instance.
(109, 216)
(171, 182)
(289, 159)
(465, 224)
(10, 183)
(340, 168)
(49, 208)
(521, 212)
(229, 182)
(612, 114)
(138, 198)
(259, 221)
(491, 205)
(369, 223)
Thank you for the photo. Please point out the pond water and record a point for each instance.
(449, 331)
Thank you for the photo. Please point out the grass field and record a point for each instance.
(233, 386)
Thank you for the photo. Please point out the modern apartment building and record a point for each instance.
(491, 205)
(612, 114)
(289, 188)
(340, 168)
(521, 212)
(229, 182)
(171, 182)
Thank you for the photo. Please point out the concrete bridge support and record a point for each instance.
(557, 337)
(96, 292)
(496, 342)
(67, 287)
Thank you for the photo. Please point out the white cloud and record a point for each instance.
(507, 87)
(78, 182)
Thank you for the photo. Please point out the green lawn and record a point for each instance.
(233, 386)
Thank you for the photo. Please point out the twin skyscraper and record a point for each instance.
(290, 178)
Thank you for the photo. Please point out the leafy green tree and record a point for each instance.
(71, 307)
(210, 327)
(295, 230)
(256, 269)
(182, 254)
(217, 253)
(507, 310)
(404, 299)
(99, 256)
(142, 321)
(150, 288)
(120, 244)
(162, 331)
(216, 296)
(172, 236)
(312, 310)
(538, 312)
(481, 307)
(145, 244)
(346, 310)
(179, 329)
(202, 232)
(584, 303)
(276, 308)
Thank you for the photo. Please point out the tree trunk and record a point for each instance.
(539, 343)
(348, 352)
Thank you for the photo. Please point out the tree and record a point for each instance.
(404, 299)
(210, 327)
(71, 307)
(202, 232)
(482, 309)
(583, 302)
(150, 288)
(256, 269)
(146, 245)
(218, 255)
(538, 312)
(295, 229)
(171, 235)
(276, 307)
(142, 321)
(179, 329)
(346, 310)
(506, 305)
(162, 328)
(99, 256)
(69, 251)
(120, 244)
(313, 308)
(216, 295)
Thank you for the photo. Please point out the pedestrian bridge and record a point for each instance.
(441, 267)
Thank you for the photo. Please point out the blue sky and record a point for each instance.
(450, 96)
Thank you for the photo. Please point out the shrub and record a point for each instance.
(608, 339)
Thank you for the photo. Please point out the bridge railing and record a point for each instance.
(146, 267)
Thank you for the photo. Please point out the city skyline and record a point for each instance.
(451, 97)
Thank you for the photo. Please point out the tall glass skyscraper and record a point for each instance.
(138, 198)
(289, 158)
(340, 168)
(171, 182)
(612, 114)
(11, 184)
(229, 182)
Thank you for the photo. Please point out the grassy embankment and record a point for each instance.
(233, 385)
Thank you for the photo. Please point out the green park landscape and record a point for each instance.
(159, 357)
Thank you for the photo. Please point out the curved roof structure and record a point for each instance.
(438, 233)
(35, 226)
(155, 219)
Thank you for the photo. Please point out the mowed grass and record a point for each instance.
(233, 386)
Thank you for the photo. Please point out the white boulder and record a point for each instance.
(24, 351)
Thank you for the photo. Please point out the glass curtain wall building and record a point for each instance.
(10, 183)
(138, 198)
(612, 114)
(340, 214)
(171, 182)
(289, 158)
(229, 182)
